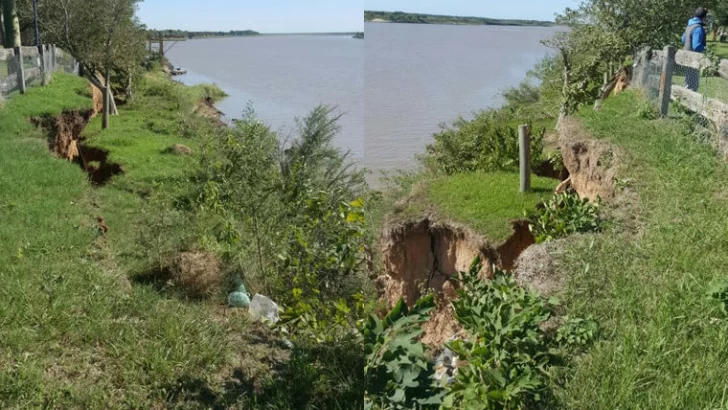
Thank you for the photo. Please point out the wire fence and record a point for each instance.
(31, 67)
(691, 83)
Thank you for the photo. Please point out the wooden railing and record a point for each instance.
(713, 109)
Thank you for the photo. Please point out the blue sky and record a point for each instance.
(265, 16)
(518, 9)
(292, 16)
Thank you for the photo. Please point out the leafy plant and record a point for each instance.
(397, 373)
(719, 293)
(564, 214)
(576, 332)
(481, 144)
(648, 111)
(556, 159)
(507, 355)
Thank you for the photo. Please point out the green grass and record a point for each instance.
(487, 202)
(721, 49)
(660, 346)
(711, 87)
(75, 331)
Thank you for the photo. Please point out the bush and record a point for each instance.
(397, 373)
(481, 144)
(564, 214)
(508, 356)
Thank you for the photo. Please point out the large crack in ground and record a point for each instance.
(65, 140)
(425, 255)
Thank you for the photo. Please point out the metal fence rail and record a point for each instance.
(24, 67)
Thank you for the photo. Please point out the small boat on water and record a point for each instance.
(178, 71)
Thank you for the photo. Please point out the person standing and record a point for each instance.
(694, 39)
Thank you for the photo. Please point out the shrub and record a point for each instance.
(508, 355)
(481, 144)
(397, 373)
(564, 214)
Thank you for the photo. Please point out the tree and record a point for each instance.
(604, 32)
(98, 34)
(11, 24)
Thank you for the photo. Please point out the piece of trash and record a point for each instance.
(262, 307)
(239, 298)
(446, 368)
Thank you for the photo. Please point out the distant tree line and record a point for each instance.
(171, 34)
(416, 18)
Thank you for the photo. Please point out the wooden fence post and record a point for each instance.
(666, 79)
(524, 143)
(21, 70)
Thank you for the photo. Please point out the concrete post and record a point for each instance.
(21, 70)
(44, 69)
(666, 79)
(524, 144)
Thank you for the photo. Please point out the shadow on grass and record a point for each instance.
(314, 377)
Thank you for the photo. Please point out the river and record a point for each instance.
(394, 88)
(282, 77)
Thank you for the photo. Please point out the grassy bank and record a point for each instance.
(85, 323)
(76, 332)
(663, 341)
(486, 201)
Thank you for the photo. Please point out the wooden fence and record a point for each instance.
(713, 109)
(28, 66)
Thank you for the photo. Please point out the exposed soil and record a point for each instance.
(428, 255)
(65, 141)
(206, 109)
(592, 164)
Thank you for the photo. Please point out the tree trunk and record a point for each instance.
(107, 100)
(11, 24)
(565, 105)
(129, 86)
(97, 83)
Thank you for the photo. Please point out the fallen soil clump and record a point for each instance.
(592, 164)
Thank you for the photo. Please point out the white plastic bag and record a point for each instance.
(262, 307)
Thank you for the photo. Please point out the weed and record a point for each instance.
(719, 293)
(648, 111)
(564, 214)
(397, 373)
(508, 356)
(577, 332)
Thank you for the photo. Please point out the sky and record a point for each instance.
(265, 16)
(505, 9)
(310, 16)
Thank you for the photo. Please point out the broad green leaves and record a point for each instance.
(507, 354)
(398, 374)
(564, 214)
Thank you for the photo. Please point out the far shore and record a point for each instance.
(348, 33)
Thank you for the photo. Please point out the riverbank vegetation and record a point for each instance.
(419, 18)
(189, 35)
(120, 246)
